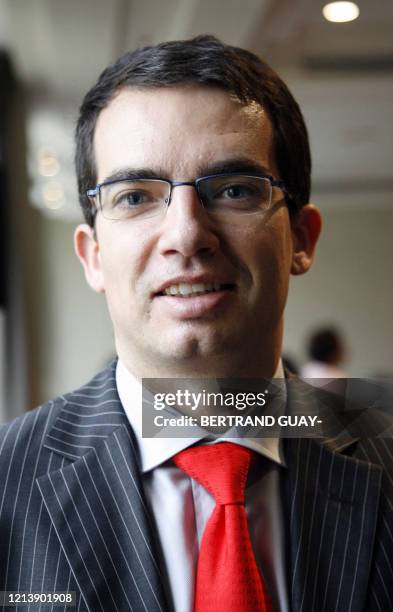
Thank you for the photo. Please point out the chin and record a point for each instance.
(192, 350)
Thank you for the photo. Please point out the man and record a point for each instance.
(194, 177)
(327, 353)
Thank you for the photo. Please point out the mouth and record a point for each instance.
(187, 290)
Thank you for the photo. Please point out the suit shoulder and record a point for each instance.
(25, 434)
(378, 451)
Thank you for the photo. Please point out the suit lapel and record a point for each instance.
(96, 502)
(332, 503)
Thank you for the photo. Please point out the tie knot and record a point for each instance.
(220, 468)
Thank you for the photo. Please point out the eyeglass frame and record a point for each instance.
(96, 191)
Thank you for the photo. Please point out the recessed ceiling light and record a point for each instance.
(340, 12)
(48, 164)
(53, 193)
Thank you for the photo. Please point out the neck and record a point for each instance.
(225, 366)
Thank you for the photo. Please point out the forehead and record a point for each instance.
(180, 130)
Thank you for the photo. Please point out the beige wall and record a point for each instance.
(351, 285)
(74, 327)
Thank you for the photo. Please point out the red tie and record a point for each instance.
(227, 575)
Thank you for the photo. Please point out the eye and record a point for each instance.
(132, 198)
(236, 192)
(243, 192)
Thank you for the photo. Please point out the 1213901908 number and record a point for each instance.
(14, 598)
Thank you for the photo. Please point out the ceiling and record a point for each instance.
(341, 74)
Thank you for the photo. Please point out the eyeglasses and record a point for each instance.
(230, 195)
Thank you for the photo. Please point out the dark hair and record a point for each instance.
(325, 345)
(207, 61)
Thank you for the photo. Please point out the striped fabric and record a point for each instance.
(73, 515)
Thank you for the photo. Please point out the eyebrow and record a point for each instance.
(130, 173)
(241, 165)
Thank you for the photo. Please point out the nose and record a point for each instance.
(187, 228)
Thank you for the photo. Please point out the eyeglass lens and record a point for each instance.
(144, 198)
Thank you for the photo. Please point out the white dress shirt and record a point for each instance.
(318, 369)
(181, 507)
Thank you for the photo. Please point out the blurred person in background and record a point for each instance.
(327, 354)
(193, 167)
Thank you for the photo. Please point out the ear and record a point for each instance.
(306, 227)
(88, 252)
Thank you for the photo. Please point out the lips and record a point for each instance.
(193, 289)
(184, 287)
(195, 300)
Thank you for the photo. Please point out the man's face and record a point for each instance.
(181, 133)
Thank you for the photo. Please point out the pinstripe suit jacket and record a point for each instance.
(73, 515)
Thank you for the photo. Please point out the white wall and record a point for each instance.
(75, 331)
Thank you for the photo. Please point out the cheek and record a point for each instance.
(124, 260)
(280, 257)
(267, 251)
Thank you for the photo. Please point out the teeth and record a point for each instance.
(195, 288)
(185, 289)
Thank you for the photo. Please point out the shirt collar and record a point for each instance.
(155, 451)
